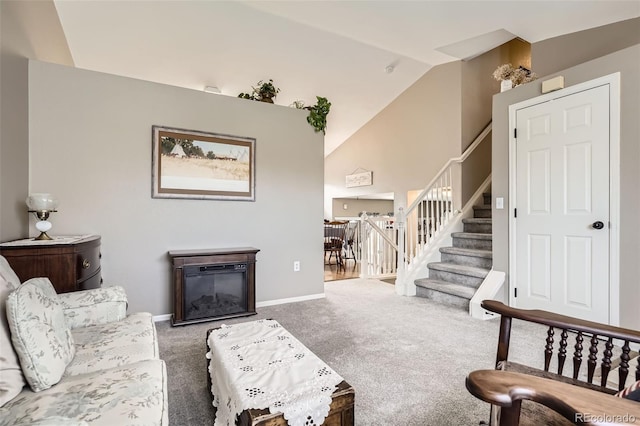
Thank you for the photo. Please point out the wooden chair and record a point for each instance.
(334, 239)
(529, 395)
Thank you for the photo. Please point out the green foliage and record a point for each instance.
(265, 92)
(188, 147)
(167, 144)
(318, 114)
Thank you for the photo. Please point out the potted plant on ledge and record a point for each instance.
(264, 92)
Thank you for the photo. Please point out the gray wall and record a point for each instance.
(627, 62)
(27, 30)
(435, 119)
(478, 88)
(356, 206)
(90, 144)
(406, 143)
(558, 53)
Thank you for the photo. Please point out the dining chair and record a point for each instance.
(334, 240)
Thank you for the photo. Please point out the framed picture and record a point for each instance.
(201, 165)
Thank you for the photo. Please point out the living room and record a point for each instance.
(86, 136)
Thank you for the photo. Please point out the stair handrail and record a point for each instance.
(467, 152)
(441, 191)
(379, 252)
(379, 230)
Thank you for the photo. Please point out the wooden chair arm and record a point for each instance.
(561, 321)
(578, 405)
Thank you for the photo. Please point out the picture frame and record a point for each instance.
(201, 165)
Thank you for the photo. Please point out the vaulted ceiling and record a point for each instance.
(359, 54)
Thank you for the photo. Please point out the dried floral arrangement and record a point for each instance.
(520, 75)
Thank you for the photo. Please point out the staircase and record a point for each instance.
(463, 267)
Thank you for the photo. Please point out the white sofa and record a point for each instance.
(76, 358)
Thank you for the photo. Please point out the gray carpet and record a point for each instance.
(406, 357)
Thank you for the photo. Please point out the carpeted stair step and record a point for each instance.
(480, 225)
(469, 257)
(486, 197)
(471, 276)
(482, 211)
(443, 292)
(472, 240)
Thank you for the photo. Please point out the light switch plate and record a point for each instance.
(499, 203)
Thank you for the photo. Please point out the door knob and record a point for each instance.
(598, 225)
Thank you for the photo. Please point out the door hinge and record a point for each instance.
(515, 212)
(515, 292)
(515, 133)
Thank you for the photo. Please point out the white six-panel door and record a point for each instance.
(562, 196)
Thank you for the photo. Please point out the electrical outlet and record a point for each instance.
(296, 266)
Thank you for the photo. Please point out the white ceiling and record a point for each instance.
(335, 49)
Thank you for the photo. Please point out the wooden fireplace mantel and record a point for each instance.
(209, 257)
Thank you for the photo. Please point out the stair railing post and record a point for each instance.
(402, 264)
(364, 244)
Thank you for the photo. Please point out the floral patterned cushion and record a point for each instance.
(133, 394)
(91, 307)
(39, 333)
(11, 377)
(114, 344)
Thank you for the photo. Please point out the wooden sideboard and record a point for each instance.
(71, 264)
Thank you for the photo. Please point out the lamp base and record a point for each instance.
(43, 237)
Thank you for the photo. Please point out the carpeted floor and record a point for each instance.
(406, 357)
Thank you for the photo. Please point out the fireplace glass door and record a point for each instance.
(214, 290)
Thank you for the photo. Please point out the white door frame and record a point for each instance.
(613, 81)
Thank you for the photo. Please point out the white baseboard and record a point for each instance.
(489, 288)
(163, 317)
(167, 317)
(290, 300)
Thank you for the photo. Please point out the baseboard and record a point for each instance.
(167, 317)
(163, 317)
(289, 300)
(489, 288)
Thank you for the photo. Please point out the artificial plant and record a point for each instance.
(318, 114)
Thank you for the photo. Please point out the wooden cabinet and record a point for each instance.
(70, 263)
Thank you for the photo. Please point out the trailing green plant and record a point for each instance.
(264, 92)
(318, 114)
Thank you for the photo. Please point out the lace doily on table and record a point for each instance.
(260, 365)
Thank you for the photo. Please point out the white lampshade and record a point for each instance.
(41, 202)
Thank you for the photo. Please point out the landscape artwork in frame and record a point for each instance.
(201, 165)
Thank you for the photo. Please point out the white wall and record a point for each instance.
(90, 144)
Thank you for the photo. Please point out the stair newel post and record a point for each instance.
(364, 244)
(401, 285)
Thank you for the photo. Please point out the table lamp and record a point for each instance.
(41, 205)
